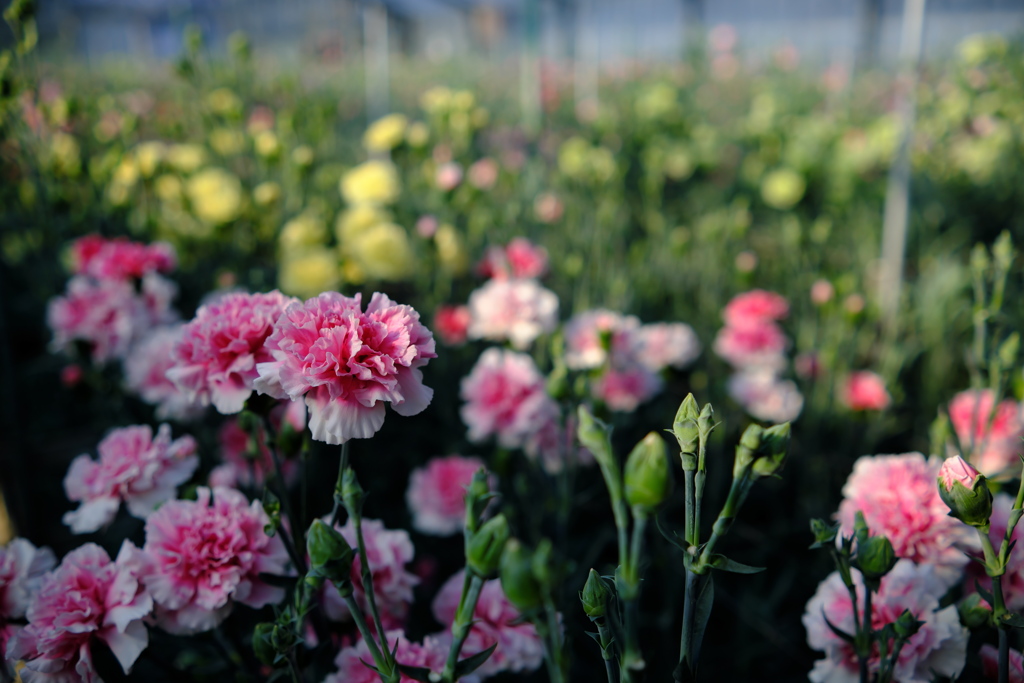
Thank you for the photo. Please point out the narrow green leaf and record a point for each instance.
(723, 563)
(836, 630)
(471, 664)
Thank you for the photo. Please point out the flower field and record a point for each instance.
(287, 394)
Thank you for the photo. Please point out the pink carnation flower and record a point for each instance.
(22, 566)
(865, 390)
(437, 492)
(120, 259)
(990, 664)
(1013, 579)
(900, 499)
(215, 360)
(623, 390)
(452, 324)
(506, 397)
(521, 259)
(145, 371)
(755, 308)
(202, 556)
(133, 467)
(347, 363)
(352, 660)
(940, 647)
(755, 345)
(765, 396)
(87, 598)
(994, 449)
(387, 551)
(590, 336)
(495, 620)
(662, 345)
(515, 310)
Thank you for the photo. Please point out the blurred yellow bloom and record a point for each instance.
(572, 157)
(782, 188)
(168, 187)
(266, 143)
(480, 117)
(227, 141)
(148, 155)
(307, 273)
(656, 101)
(186, 157)
(223, 101)
(305, 230)
(382, 252)
(463, 99)
(385, 133)
(975, 49)
(436, 100)
(127, 172)
(65, 155)
(357, 219)
(679, 163)
(266, 193)
(302, 155)
(451, 253)
(215, 195)
(418, 134)
(373, 182)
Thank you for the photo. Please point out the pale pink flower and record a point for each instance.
(215, 359)
(506, 397)
(452, 324)
(956, 469)
(900, 500)
(483, 173)
(516, 310)
(765, 395)
(807, 365)
(448, 176)
(495, 620)
(145, 370)
(624, 389)
(87, 598)
(939, 647)
(590, 336)
(865, 390)
(133, 467)
(352, 660)
(761, 344)
(248, 464)
(662, 345)
(426, 226)
(119, 258)
(990, 664)
(822, 292)
(437, 494)
(22, 566)
(1013, 579)
(202, 556)
(388, 551)
(548, 208)
(347, 364)
(754, 308)
(992, 448)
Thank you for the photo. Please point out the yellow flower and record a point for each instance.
(266, 143)
(418, 134)
(374, 182)
(302, 156)
(186, 158)
(127, 172)
(223, 101)
(226, 141)
(450, 251)
(266, 193)
(782, 188)
(357, 219)
(656, 101)
(65, 155)
(148, 155)
(385, 133)
(168, 187)
(436, 100)
(215, 195)
(309, 272)
(463, 99)
(382, 251)
(305, 230)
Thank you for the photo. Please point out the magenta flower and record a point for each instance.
(754, 308)
(517, 310)
(347, 363)
(940, 647)
(437, 492)
(388, 551)
(87, 598)
(900, 499)
(22, 566)
(120, 259)
(993, 447)
(990, 664)
(352, 660)
(865, 390)
(215, 360)
(133, 467)
(145, 371)
(495, 620)
(202, 556)
(506, 397)
(452, 324)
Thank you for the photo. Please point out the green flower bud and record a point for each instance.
(685, 427)
(746, 450)
(907, 625)
(517, 579)
(965, 491)
(875, 557)
(262, 643)
(352, 493)
(289, 439)
(249, 421)
(543, 563)
(774, 446)
(483, 554)
(647, 473)
(595, 596)
(330, 555)
(974, 614)
(824, 533)
(593, 434)
(706, 420)
(478, 494)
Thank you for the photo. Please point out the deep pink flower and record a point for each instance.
(215, 360)
(202, 556)
(517, 310)
(145, 371)
(900, 499)
(437, 492)
(247, 464)
(506, 397)
(760, 344)
(388, 551)
(765, 395)
(495, 620)
(992, 450)
(119, 258)
(755, 308)
(623, 390)
(592, 335)
(22, 566)
(940, 647)
(347, 363)
(1013, 579)
(133, 467)
(990, 664)
(352, 660)
(865, 390)
(662, 345)
(525, 259)
(452, 324)
(87, 598)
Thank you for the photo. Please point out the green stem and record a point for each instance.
(632, 657)
(338, 502)
(737, 494)
(554, 653)
(471, 587)
(604, 632)
(687, 657)
(689, 510)
(371, 642)
(367, 576)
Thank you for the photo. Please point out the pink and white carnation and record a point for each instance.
(215, 359)
(754, 308)
(591, 336)
(495, 620)
(145, 370)
(352, 660)
(119, 258)
(756, 345)
(86, 599)
(766, 396)
(865, 390)
(133, 467)
(1013, 579)
(624, 389)
(517, 310)
(990, 664)
(347, 363)
(22, 566)
(520, 259)
(938, 648)
(662, 345)
(993, 441)
(388, 551)
(452, 324)
(506, 397)
(202, 556)
(900, 500)
(437, 494)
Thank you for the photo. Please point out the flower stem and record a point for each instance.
(471, 587)
(604, 632)
(549, 630)
(338, 502)
(364, 630)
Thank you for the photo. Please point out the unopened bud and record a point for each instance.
(965, 491)
(875, 557)
(907, 625)
(593, 434)
(543, 563)
(352, 493)
(330, 555)
(746, 450)
(483, 554)
(685, 427)
(774, 447)
(517, 579)
(647, 477)
(477, 496)
(595, 596)
(824, 533)
(262, 643)
(974, 613)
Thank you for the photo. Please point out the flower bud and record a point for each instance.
(262, 643)
(685, 427)
(774, 446)
(477, 496)
(248, 421)
(875, 557)
(517, 579)
(974, 613)
(965, 491)
(330, 555)
(543, 563)
(647, 474)
(907, 625)
(746, 450)
(824, 533)
(352, 493)
(595, 596)
(593, 434)
(483, 553)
